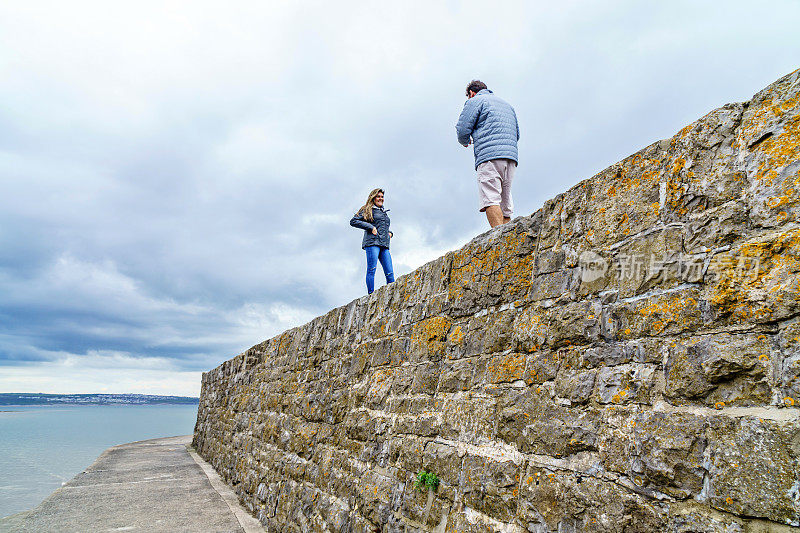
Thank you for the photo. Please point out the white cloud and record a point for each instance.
(176, 178)
(59, 378)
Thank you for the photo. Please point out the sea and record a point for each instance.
(44, 446)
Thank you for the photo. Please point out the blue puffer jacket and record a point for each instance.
(492, 123)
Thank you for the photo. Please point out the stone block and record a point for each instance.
(720, 370)
(549, 260)
(494, 268)
(422, 507)
(380, 384)
(530, 329)
(573, 323)
(457, 375)
(427, 339)
(788, 366)
(483, 334)
(575, 385)
(624, 200)
(444, 460)
(469, 417)
(597, 273)
(666, 313)
(550, 223)
(717, 227)
(562, 500)
(491, 486)
(426, 378)
(658, 451)
(627, 383)
(699, 171)
(752, 468)
(533, 422)
(505, 368)
(541, 366)
(648, 262)
(769, 143)
(555, 285)
(407, 452)
(757, 281)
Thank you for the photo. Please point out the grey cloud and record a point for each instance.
(181, 197)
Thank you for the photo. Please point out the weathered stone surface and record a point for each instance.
(555, 500)
(721, 369)
(657, 451)
(625, 359)
(787, 368)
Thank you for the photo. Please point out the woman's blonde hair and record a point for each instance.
(366, 211)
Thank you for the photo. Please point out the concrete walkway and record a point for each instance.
(153, 485)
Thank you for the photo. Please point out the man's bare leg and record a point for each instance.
(495, 215)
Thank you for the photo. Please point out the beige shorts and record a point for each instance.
(494, 185)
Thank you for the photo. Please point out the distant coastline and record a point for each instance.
(19, 398)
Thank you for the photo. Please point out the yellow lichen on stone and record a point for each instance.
(763, 273)
(506, 368)
(432, 329)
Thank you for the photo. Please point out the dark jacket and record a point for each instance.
(380, 221)
(492, 124)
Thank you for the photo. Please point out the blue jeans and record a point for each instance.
(374, 254)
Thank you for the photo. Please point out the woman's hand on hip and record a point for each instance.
(391, 234)
(374, 231)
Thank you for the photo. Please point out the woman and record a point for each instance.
(372, 218)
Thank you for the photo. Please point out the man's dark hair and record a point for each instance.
(476, 86)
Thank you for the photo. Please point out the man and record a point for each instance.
(492, 124)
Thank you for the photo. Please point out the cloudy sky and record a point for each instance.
(176, 178)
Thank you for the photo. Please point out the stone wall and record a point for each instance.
(627, 359)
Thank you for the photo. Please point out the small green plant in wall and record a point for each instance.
(426, 480)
